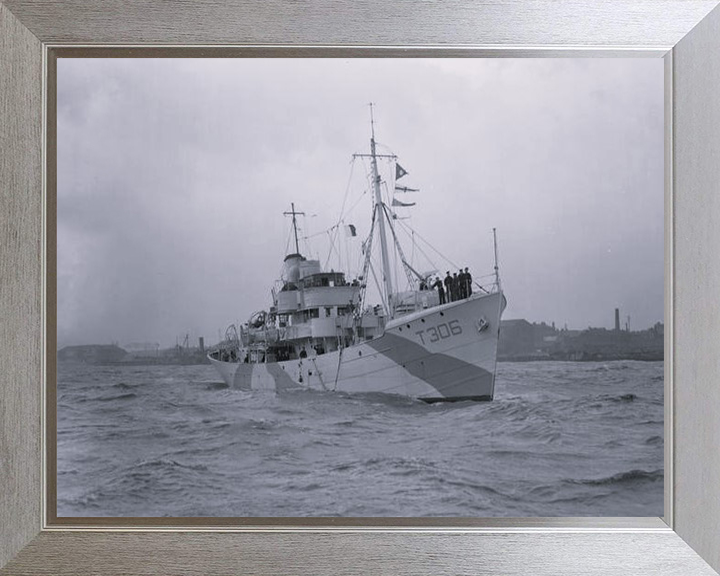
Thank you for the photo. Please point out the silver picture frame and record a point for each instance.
(686, 33)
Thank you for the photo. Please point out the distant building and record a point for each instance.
(141, 349)
(92, 354)
(521, 340)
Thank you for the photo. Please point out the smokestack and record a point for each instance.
(202, 344)
(617, 319)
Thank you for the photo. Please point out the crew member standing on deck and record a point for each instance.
(461, 284)
(441, 292)
(468, 283)
(455, 287)
(448, 287)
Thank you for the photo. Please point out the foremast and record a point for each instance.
(379, 211)
(294, 224)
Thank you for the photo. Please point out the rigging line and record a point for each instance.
(394, 254)
(319, 233)
(337, 373)
(410, 233)
(377, 284)
(347, 254)
(408, 269)
(368, 175)
(412, 243)
(360, 199)
(347, 244)
(287, 244)
(331, 239)
(386, 211)
(367, 256)
(332, 248)
(305, 238)
(347, 190)
(391, 199)
(387, 192)
(342, 209)
(475, 280)
(415, 245)
(431, 246)
(336, 228)
(317, 370)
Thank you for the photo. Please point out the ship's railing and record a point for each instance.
(414, 301)
(488, 283)
(228, 350)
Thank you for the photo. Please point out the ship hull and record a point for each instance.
(443, 353)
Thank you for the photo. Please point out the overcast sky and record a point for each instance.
(173, 176)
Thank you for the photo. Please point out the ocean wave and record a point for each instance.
(620, 398)
(474, 486)
(124, 386)
(214, 385)
(113, 398)
(606, 401)
(630, 477)
(398, 462)
(167, 463)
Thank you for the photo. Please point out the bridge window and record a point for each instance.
(311, 313)
(329, 279)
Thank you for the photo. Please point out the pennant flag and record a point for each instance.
(406, 189)
(399, 171)
(396, 202)
(350, 230)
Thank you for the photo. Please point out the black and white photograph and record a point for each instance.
(360, 287)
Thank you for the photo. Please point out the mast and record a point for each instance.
(497, 270)
(387, 278)
(294, 223)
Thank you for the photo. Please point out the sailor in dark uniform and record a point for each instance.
(468, 283)
(461, 284)
(455, 287)
(448, 287)
(441, 292)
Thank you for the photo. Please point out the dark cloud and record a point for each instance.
(173, 176)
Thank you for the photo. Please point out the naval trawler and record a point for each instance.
(320, 332)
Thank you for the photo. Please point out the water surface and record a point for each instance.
(560, 439)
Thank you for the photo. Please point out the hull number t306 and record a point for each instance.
(440, 332)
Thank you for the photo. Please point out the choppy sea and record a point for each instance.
(560, 439)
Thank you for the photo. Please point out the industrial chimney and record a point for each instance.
(617, 319)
